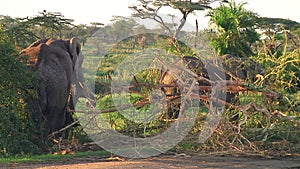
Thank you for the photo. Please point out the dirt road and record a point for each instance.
(166, 162)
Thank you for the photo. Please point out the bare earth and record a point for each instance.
(166, 162)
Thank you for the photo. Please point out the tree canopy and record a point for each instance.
(150, 10)
(234, 28)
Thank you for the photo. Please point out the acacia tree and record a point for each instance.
(234, 28)
(150, 10)
(95, 26)
(23, 31)
(121, 28)
(19, 34)
(48, 24)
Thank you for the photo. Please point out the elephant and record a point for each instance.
(58, 65)
(234, 68)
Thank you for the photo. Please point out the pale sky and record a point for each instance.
(103, 10)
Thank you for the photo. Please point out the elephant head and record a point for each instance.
(241, 68)
(244, 69)
(58, 67)
(79, 88)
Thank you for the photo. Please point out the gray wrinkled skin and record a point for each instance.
(235, 68)
(58, 67)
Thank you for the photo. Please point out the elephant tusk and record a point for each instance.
(81, 85)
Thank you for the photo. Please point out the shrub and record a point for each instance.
(16, 83)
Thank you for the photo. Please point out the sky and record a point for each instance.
(87, 11)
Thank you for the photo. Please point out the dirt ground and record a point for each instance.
(166, 162)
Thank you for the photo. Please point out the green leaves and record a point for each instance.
(50, 24)
(188, 6)
(235, 29)
(23, 31)
(16, 82)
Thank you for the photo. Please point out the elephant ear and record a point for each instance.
(34, 53)
(75, 50)
(38, 54)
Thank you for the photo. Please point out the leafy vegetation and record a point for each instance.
(234, 29)
(257, 122)
(17, 132)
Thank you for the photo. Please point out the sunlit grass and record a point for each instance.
(50, 157)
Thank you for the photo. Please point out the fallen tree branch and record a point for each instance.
(51, 135)
(286, 117)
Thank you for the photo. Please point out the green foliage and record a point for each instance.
(273, 118)
(234, 34)
(18, 33)
(279, 36)
(130, 120)
(235, 29)
(47, 24)
(272, 22)
(282, 66)
(122, 28)
(24, 31)
(16, 127)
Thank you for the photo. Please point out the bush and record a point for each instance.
(16, 83)
(265, 123)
